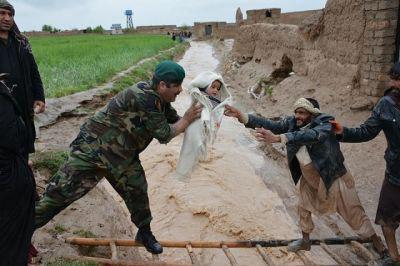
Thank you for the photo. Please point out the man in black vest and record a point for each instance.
(385, 117)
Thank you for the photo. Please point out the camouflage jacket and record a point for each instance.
(320, 141)
(385, 117)
(130, 121)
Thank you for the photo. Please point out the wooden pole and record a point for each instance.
(362, 251)
(192, 255)
(120, 262)
(229, 255)
(264, 255)
(210, 244)
(114, 253)
(334, 256)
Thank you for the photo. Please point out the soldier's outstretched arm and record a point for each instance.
(191, 114)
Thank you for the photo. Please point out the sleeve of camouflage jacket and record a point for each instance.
(171, 114)
(277, 127)
(367, 131)
(156, 123)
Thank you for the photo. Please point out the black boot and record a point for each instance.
(146, 237)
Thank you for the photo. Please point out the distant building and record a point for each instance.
(116, 29)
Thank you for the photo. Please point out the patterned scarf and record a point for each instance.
(23, 40)
(6, 5)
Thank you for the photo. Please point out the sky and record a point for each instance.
(72, 14)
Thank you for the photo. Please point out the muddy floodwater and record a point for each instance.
(225, 198)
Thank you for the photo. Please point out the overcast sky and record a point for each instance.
(69, 14)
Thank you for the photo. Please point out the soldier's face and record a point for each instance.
(303, 117)
(6, 19)
(169, 93)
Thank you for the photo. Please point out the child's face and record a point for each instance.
(214, 88)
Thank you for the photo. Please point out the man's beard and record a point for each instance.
(395, 95)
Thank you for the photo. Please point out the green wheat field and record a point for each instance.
(70, 64)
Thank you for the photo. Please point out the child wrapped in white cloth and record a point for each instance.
(209, 90)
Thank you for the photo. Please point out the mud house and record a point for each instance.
(203, 30)
(224, 30)
(355, 41)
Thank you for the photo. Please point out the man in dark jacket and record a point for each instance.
(17, 188)
(23, 77)
(316, 161)
(385, 117)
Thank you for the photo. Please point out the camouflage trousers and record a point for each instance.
(87, 164)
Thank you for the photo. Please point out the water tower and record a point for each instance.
(129, 23)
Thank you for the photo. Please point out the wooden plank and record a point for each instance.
(114, 252)
(209, 244)
(264, 255)
(156, 257)
(334, 256)
(229, 255)
(305, 259)
(362, 251)
(192, 255)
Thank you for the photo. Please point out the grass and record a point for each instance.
(59, 229)
(70, 64)
(50, 161)
(84, 233)
(145, 71)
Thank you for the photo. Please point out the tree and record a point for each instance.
(47, 28)
(98, 29)
(184, 27)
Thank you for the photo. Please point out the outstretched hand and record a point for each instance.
(337, 127)
(231, 111)
(234, 112)
(265, 135)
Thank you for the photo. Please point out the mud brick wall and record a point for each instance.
(295, 18)
(379, 49)
(260, 16)
(227, 31)
(219, 30)
(160, 29)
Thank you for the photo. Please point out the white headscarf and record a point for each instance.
(201, 134)
(307, 105)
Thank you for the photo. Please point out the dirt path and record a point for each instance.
(238, 194)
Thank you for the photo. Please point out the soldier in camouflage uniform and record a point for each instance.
(109, 144)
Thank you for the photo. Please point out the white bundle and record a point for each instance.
(201, 134)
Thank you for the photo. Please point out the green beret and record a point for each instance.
(169, 71)
(6, 5)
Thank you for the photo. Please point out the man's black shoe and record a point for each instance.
(148, 240)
